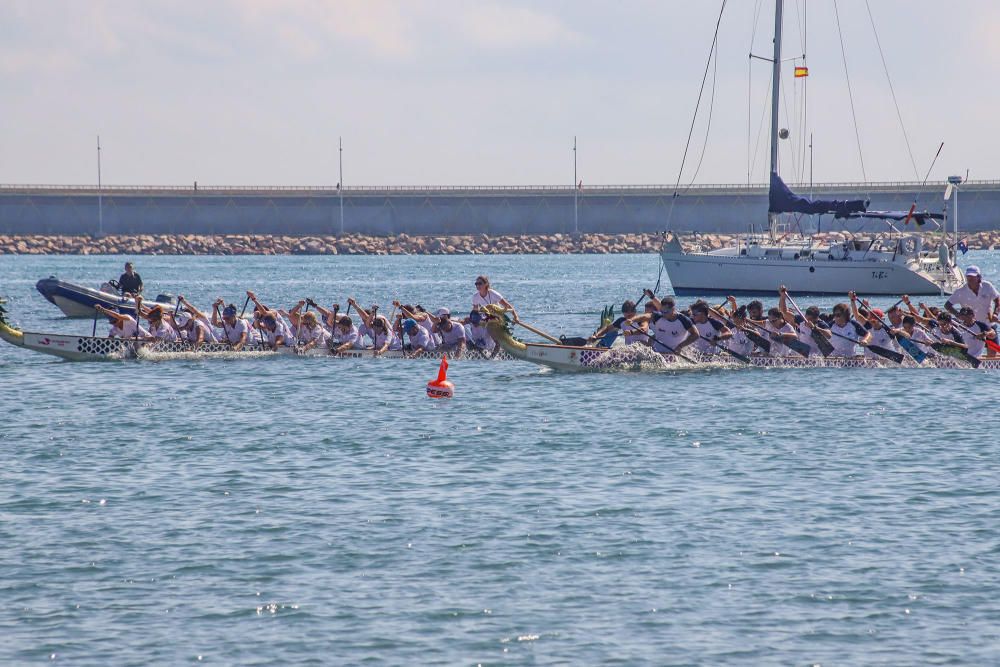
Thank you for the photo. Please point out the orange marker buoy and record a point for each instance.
(441, 387)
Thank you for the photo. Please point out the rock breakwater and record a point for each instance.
(482, 244)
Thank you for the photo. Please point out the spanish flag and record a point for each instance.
(801, 72)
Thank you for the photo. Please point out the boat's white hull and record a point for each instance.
(705, 273)
(576, 359)
(89, 348)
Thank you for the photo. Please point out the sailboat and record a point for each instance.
(890, 263)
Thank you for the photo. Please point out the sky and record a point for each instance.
(481, 92)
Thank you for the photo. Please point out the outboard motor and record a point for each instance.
(166, 298)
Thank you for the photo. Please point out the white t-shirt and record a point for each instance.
(670, 332)
(806, 334)
(451, 338)
(127, 330)
(235, 332)
(210, 336)
(739, 343)
(976, 345)
(191, 335)
(979, 303)
(163, 331)
(881, 338)
(709, 329)
(492, 296)
(305, 334)
(778, 348)
(280, 329)
(421, 339)
(340, 337)
(841, 346)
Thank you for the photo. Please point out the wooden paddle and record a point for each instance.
(541, 333)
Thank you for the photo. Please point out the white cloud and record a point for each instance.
(504, 27)
(303, 27)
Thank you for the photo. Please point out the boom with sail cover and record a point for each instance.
(782, 200)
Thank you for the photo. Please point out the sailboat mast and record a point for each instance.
(775, 96)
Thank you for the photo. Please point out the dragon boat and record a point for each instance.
(640, 357)
(95, 348)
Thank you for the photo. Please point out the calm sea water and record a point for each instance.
(316, 511)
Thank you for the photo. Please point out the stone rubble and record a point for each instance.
(244, 244)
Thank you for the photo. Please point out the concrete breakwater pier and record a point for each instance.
(443, 211)
(190, 244)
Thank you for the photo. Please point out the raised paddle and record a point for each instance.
(754, 337)
(877, 349)
(822, 342)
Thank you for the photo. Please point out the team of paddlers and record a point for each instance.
(308, 324)
(964, 328)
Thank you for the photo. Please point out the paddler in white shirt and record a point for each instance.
(419, 339)
(981, 332)
(477, 335)
(345, 336)
(632, 326)
(871, 319)
(421, 317)
(235, 331)
(157, 327)
(122, 326)
(210, 336)
(672, 331)
(978, 294)
(452, 334)
(310, 333)
(715, 331)
(779, 332)
(276, 333)
(850, 332)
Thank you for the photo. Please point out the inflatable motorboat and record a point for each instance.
(79, 301)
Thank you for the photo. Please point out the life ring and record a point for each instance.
(910, 245)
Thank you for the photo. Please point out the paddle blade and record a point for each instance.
(799, 346)
(758, 340)
(887, 353)
(989, 343)
(824, 345)
(912, 349)
(956, 352)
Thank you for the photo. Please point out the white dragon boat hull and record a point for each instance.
(639, 357)
(91, 348)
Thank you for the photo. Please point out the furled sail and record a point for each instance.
(782, 200)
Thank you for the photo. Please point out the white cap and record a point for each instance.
(181, 319)
(973, 270)
(441, 312)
